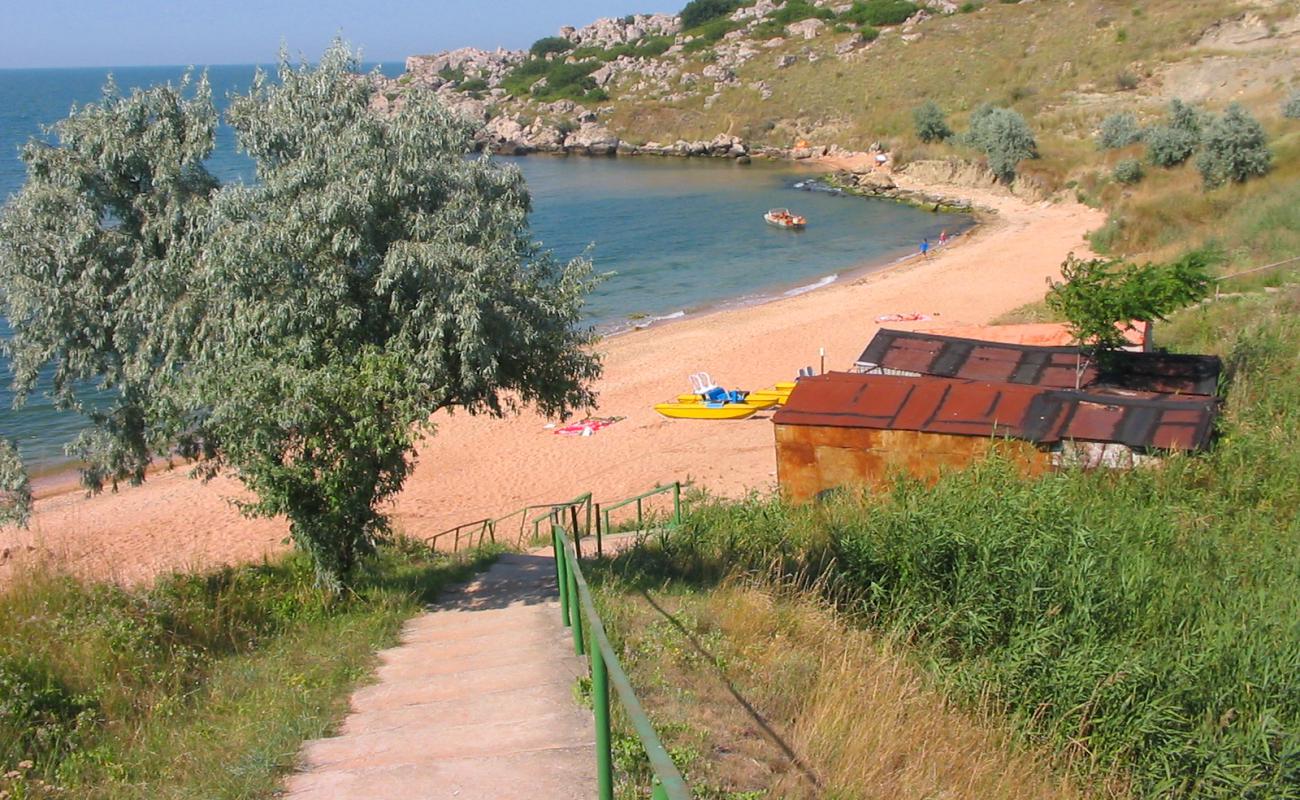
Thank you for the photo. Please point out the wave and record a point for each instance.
(798, 290)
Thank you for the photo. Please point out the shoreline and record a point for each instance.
(478, 466)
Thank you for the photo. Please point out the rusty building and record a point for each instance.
(949, 400)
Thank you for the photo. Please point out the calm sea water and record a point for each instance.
(677, 235)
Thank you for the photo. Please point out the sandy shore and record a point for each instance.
(476, 467)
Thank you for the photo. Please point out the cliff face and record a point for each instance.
(797, 79)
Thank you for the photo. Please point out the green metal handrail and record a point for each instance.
(486, 528)
(575, 602)
(603, 510)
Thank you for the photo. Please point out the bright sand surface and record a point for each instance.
(477, 467)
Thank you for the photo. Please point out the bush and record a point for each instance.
(1119, 130)
(1291, 108)
(710, 32)
(1004, 137)
(550, 44)
(1186, 117)
(868, 33)
(1128, 171)
(1233, 148)
(968, 7)
(880, 12)
(1168, 146)
(698, 12)
(797, 10)
(930, 123)
(473, 85)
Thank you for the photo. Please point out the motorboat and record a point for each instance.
(783, 218)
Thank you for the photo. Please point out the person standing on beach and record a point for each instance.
(943, 237)
(925, 247)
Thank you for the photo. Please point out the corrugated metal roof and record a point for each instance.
(895, 352)
(981, 408)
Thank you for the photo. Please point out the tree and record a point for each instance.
(1119, 130)
(373, 275)
(1100, 298)
(930, 123)
(1004, 137)
(1233, 148)
(15, 488)
(97, 254)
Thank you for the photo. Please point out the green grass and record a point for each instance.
(1144, 625)
(198, 686)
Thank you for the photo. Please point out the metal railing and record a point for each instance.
(487, 528)
(575, 604)
(603, 511)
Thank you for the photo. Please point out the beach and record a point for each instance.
(476, 467)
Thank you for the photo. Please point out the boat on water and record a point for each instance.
(699, 409)
(783, 218)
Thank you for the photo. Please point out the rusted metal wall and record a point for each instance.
(813, 459)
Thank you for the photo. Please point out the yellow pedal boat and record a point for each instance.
(700, 410)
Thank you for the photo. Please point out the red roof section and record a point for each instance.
(982, 408)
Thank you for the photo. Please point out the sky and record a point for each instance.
(82, 33)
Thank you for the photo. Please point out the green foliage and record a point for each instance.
(968, 7)
(710, 33)
(1146, 618)
(1126, 81)
(564, 81)
(931, 126)
(698, 12)
(868, 33)
(472, 85)
(15, 487)
(1186, 117)
(1119, 130)
(1291, 106)
(796, 10)
(1233, 148)
(298, 332)
(880, 12)
(93, 252)
(1003, 136)
(104, 688)
(1128, 171)
(1168, 146)
(548, 45)
(1099, 297)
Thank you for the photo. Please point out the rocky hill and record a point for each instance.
(802, 78)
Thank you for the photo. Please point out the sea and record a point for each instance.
(675, 237)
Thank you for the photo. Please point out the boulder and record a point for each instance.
(592, 139)
(784, 61)
(806, 28)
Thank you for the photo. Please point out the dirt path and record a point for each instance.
(476, 702)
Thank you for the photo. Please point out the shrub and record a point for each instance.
(1291, 108)
(1126, 81)
(710, 32)
(868, 33)
(1119, 130)
(1128, 171)
(1168, 146)
(1233, 148)
(1004, 137)
(473, 85)
(796, 10)
(930, 123)
(698, 12)
(967, 8)
(550, 44)
(1186, 117)
(880, 12)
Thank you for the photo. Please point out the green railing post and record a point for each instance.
(577, 532)
(562, 577)
(639, 524)
(600, 552)
(658, 792)
(600, 702)
(575, 608)
(677, 502)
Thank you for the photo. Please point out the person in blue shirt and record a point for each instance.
(925, 247)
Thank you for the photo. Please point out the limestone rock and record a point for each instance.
(592, 139)
(806, 28)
